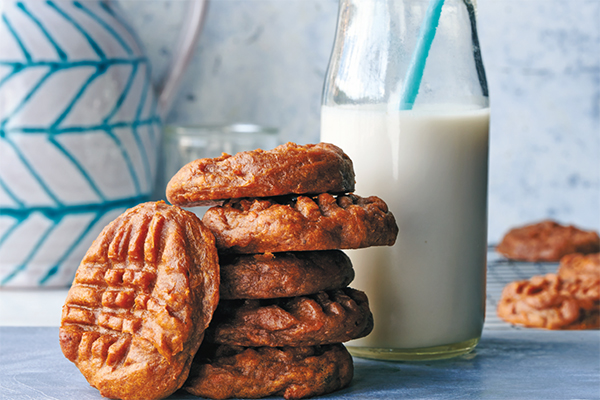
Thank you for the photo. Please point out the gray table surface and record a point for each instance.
(509, 364)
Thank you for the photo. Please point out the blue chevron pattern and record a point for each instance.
(79, 133)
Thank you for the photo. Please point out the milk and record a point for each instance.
(430, 166)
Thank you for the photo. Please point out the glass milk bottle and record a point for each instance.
(406, 98)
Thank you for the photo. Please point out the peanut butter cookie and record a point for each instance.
(222, 372)
(301, 223)
(140, 302)
(581, 276)
(547, 241)
(323, 318)
(272, 275)
(287, 169)
(580, 266)
(550, 302)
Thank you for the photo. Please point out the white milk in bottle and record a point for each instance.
(430, 166)
(406, 97)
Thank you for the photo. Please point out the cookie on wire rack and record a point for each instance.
(550, 302)
(547, 241)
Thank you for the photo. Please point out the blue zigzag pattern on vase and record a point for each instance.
(139, 161)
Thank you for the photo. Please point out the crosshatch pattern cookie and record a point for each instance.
(222, 372)
(547, 241)
(140, 302)
(301, 224)
(266, 276)
(287, 169)
(323, 318)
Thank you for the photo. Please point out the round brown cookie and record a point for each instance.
(547, 241)
(547, 302)
(222, 372)
(268, 275)
(581, 274)
(301, 223)
(140, 302)
(580, 266)
(287, 169)
(323, 318)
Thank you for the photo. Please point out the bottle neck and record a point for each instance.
(376, 40)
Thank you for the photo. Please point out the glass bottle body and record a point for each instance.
(429, 163)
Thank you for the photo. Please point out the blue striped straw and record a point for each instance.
(413, 77)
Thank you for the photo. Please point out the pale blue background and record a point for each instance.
(264, 61)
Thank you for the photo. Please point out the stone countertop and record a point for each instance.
(510, 364)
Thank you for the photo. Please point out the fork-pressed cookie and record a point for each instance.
(301, 223)
(140, 302)
(286, 169)
(223, 372)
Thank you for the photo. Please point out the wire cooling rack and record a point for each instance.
(500, 272)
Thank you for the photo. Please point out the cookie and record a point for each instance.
(586, 290)
(301, 223)
(547, 241)
(580, 266)
(140, 302)
(323, 318)
(549, 302)
(581, 277)
(222, 372)
(266, 276)
(287, 169)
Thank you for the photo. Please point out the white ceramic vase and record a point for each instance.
(80, 131)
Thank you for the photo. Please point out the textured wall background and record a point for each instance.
(264, 61)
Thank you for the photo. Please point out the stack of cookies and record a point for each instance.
(251, 302)
(280, 220)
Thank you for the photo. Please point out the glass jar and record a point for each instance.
(426, 155)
